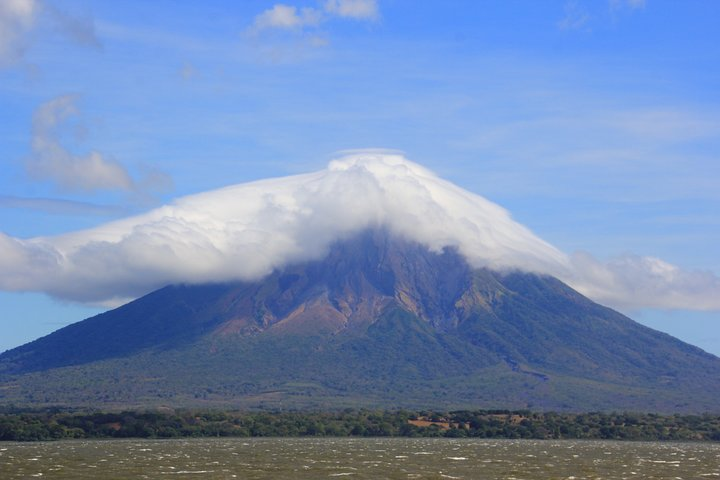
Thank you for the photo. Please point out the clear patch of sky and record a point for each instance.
(27, 316)
(697, 328)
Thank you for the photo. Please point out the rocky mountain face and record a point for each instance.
(379, 322)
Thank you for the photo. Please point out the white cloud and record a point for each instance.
(285, 17)
(17, 19)
(357, 9)
(93, 171)
(633, 282)
(244, 232)
(282, 17)
(52, 161)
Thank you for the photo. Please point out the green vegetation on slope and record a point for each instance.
(380, 323)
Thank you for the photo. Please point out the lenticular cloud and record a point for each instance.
(244, 232)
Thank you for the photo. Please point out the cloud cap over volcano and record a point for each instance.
(245, 231)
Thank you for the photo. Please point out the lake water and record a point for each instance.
(358, 458)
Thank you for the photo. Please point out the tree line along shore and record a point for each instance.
(55, 424)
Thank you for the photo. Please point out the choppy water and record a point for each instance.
(394, 458)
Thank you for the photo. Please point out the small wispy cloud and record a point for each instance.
(59, 206)
(666, 125)
(576, 17)
(51, 160)
(305, 21)
(17, 19)
(356, 9)
(79, 29)
(20, 21)
(583, 16)
(614, 153)
(286, 17)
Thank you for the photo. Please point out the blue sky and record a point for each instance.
(595, 123)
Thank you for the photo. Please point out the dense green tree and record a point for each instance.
(54, 424)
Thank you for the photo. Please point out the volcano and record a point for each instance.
(380, 321)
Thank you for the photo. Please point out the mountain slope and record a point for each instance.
(380, 321)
